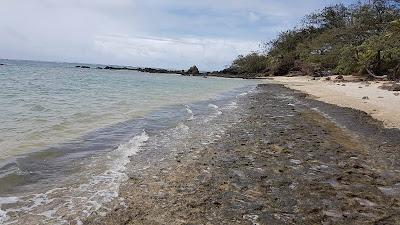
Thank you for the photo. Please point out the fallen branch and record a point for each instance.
(375, 76)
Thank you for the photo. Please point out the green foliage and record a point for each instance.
(252, 63)
(330, 17)
(338, 38)
(347, 62)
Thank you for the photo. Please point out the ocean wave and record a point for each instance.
(213, 106)
(75, 203)
(190, 112)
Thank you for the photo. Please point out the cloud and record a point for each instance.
(172, 53)
(174, 33)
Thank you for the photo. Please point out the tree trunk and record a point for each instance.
(396, 73)
(378, 62)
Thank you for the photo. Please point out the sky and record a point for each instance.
(173, 34)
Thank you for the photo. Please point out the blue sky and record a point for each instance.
(156, 33)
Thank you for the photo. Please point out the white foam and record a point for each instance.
(6, 200)
(213, 106)
(232, 105)
(190, 112)
(79, 201)
(243, 94)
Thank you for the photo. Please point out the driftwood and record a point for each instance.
(375, 76)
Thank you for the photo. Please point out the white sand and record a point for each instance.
(382, 105)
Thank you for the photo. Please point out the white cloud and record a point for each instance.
(160, 33)
(253, 17)
(172, 53)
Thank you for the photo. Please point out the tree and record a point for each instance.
(362, 38)
(252, 63)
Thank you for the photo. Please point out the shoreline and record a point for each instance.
(282, 162)
(382, 105)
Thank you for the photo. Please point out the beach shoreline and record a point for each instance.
(288, 159)
(382, 105)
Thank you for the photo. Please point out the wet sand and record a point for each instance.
(289, 159)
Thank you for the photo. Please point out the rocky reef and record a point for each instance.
(284, 162)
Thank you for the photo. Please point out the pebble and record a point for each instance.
(295, 161)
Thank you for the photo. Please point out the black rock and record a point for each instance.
(194, 71)
(340, 77)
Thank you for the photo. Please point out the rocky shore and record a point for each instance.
(288, 160)
(192, 71)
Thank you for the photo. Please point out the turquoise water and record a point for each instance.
(68, 135)
(43, 104)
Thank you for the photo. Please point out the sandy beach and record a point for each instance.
(382, 105)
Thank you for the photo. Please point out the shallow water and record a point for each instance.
(66, 134)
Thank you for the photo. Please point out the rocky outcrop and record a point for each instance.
(117, 68)
(193, 71)
(155, 70)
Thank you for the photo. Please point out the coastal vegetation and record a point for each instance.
(362, 38)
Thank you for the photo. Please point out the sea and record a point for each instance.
(68, 134)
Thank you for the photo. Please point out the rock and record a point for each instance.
(365, 98)
(333, 213)
(303, 95)
(328, 78)
(194, 71)
(295, 74)
(343, 85)
(85, 67)
(395, 87)
(396, 94)
(365, 202)
(340, 77)
(1, 64)
(295, 161)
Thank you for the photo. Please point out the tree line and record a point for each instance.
(362, 38)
